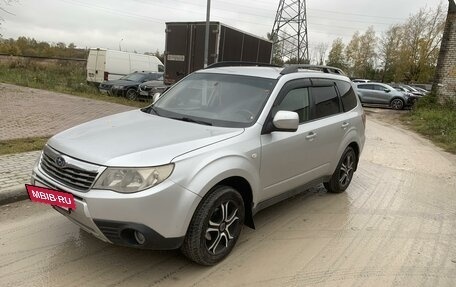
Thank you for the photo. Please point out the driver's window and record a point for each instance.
(297, 100)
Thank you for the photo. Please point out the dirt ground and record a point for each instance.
(395, 226)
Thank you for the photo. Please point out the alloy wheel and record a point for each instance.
(346, 169)
(222, 227)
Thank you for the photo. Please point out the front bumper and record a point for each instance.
(162, 213)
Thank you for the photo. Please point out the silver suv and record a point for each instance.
(383, 94)
(190, 170)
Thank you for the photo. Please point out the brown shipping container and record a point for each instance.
(184, 50)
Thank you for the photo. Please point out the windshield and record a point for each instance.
(135, 77)
(216, 99)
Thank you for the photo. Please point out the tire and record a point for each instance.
(131, 94)
(397, 104)
(213, 232)
(342, 177)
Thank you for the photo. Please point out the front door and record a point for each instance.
(285, 155)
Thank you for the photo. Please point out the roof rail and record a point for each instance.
(325, 69)
(239, 63)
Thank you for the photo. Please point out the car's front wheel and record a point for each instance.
(215, 226)
(343, 175)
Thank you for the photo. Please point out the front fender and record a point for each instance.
(210, 170)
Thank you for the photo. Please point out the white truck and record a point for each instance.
(107, 65)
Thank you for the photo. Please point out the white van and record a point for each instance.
(106, 65)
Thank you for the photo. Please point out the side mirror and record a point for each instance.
(387, 90)
(155, 97)
(286, 121)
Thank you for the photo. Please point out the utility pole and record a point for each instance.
(290, 30)
(120, 47)
(206, 36)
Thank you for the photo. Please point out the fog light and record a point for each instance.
(139, 237)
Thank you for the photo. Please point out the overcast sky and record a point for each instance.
(141, 23)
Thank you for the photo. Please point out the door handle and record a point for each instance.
(345, 124)
(311, 135)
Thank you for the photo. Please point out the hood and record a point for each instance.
(136, 138)
(120, 83)
(153, 83)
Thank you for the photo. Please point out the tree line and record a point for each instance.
(24, 46)
(405, 52)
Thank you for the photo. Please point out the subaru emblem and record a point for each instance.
(60, 161)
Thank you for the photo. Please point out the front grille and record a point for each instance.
(71, 176)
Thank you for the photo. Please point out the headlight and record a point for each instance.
(128, 180)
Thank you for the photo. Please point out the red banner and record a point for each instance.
(51, 196)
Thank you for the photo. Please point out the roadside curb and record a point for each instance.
(13, 194)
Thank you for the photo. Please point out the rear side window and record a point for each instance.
(326, 101)
(347, 95)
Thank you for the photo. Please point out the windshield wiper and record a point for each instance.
(150, 110)
(190, 120)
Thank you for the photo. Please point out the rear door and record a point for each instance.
(367, 93)
(96, 65)
(329, 126)
(176, 54)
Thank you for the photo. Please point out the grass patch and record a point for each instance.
(59, 76)
(436, 121)
(22, 145)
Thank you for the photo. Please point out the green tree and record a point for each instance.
(361, 55)
(389, 48)
(336, 57)
(420, 44)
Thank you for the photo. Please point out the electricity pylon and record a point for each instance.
(289, 32)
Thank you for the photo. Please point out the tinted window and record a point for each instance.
(379, 88)
(326, 101)
(297, 100)
(347, 95)
(366, 87)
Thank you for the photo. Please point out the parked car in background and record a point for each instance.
(414, 90)
(407, 89)
(383, 94)
(127, 86)
(222, 144)
(426, 87)
(108, 65)
(150, 88)
(425, 92)
(360, 81)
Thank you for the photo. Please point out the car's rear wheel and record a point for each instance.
(343, 175)
(215, 226)
(397, 104)
(131, 94)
